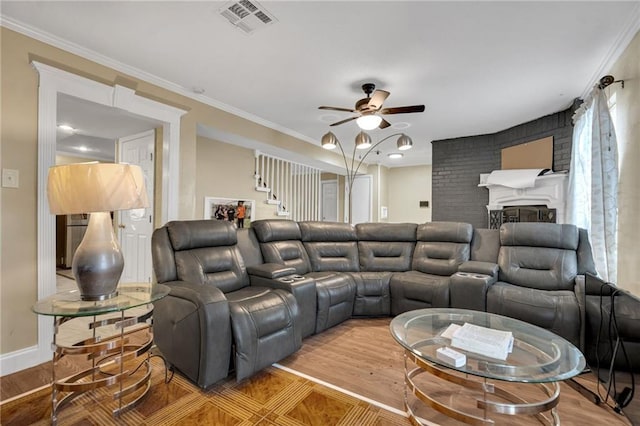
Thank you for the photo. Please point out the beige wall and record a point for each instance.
(18, 133)
(407, 186)
(627, 68)
(230, 178)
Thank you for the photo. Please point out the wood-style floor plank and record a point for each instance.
(361, 356)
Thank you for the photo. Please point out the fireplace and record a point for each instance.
(542, 201)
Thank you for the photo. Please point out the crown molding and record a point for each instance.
(628, 31)
(106, 61)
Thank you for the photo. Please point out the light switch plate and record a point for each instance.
(10, 178)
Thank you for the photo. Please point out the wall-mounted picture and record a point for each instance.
(236, 210)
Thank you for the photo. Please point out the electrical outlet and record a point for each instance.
(10, 178)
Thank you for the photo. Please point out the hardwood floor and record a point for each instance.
(361, 357)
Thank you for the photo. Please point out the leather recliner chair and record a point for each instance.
(213, 309)
(537, 277)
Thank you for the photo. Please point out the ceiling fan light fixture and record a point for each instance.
(404, 142)
(363, 141)
(369, 121)
(395, 155)
(329, 141)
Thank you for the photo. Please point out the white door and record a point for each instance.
(136, 226)
(361, 200)
(330, 200)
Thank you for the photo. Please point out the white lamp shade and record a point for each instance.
(369, 122)
(95, 187)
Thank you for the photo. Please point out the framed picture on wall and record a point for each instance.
(237, 210)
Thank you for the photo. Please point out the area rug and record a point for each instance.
(272, 397)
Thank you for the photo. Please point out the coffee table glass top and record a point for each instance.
(130, 295)
(538, 355)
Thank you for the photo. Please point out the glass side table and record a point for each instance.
(117, 343)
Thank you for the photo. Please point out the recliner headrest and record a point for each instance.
(539, 234)
(327, 231)
(191, 234)
(386, 231)
(268, 230)
(445, 232)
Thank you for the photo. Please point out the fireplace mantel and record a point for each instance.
(549, 190)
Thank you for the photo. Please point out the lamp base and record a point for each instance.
(98, 262)
(91, 298)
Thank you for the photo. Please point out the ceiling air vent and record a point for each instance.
(247, 15)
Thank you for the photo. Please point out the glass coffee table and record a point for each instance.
(539, 357)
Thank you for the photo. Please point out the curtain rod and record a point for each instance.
(608, 80)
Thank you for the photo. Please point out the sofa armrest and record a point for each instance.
(192, 329)
(475, 267)
(303, 289)
(469, 290)
(270, 270)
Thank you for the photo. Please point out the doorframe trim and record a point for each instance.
(53, 81)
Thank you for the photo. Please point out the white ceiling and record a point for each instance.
(479, 67)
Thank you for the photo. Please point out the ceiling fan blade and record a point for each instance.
(337, 108)
(378, 98)
(403, 110)
(384, 124)
(343, 121)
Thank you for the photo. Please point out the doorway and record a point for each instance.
(52, 82)
(329, 200)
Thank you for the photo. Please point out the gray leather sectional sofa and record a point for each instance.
(243, 299)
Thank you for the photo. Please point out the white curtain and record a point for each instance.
(593, 181)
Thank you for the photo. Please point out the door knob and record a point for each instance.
(122, 226)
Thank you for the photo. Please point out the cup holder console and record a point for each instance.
(287, 280)
(297, 277)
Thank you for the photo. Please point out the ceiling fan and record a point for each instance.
(370, 109)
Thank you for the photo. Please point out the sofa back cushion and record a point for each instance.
(441, 247)
(331, 246)
(538, 255)
(385, 247)
(485, 245)
(280, 242)
(205, 252)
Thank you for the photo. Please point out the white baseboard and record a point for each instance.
(19, 360)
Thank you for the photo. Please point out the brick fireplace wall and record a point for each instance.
(458, 163)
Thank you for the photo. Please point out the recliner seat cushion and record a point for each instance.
(416, 290)
(372, 293)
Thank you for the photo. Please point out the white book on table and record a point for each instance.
(481, 340)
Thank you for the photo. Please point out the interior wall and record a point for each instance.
(627, 68)
(231, 178)
(407, 186)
